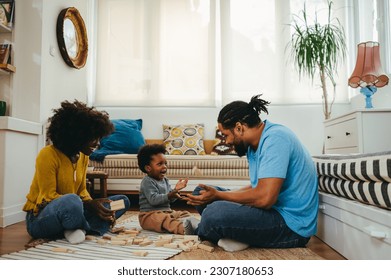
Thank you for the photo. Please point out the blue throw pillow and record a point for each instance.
(126, 139)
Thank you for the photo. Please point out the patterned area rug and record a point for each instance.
(111, 247)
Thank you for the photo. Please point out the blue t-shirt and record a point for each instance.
(280, 154)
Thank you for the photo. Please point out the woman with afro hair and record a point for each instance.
(58, 203)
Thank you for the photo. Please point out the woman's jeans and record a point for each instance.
(254, 226)
(67, 213)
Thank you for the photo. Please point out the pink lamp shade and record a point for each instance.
(368, 70)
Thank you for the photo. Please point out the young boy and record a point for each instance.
(156, 195)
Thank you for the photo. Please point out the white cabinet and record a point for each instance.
(17, 137)
(361, 131)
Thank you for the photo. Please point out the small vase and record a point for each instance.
(3, 107)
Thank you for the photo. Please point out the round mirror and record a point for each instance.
(72, 37)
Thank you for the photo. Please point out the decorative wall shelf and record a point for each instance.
(19, 125)
(7, 68)
(5, 29)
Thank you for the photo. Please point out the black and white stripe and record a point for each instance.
(374, 193)
(367, 168)
(365, 177)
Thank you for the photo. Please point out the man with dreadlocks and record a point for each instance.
(58, 203)
(279, 208)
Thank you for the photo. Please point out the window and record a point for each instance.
(255, 58)
(155, 53)
(372, 23)
(200, 53)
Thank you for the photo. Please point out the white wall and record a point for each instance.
(18, 149)
(42, 79)
(381, 99)
(305, 120)
(26, 82)
(59, 81)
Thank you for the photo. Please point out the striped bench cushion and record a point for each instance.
(362, 177)
(209, 166)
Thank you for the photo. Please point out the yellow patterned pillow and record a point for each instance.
(186, 139)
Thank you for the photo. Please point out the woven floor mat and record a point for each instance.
(101, 248)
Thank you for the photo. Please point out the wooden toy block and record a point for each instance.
(131, 231)
(129, 234)
(161, 242)
(115, 238)
(171, 245)
(189, 243)
(137, 241)
(125, 234)
(117, 205)
(91, 237)
(62, 250)
(129, 242)
(140, 253)
(101, 241)
(117, 229)
(190, 237)
(184, 247)
(146, 243)
(206, 247)
(118, 242)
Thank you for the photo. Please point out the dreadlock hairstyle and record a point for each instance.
(146, 153)
(243, 112)
(74, 125)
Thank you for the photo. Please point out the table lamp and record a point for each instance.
(368, 73)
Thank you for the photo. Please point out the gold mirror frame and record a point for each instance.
(77, 56)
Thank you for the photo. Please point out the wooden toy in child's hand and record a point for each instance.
(117, 205)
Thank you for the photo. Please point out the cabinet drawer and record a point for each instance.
(341, 135)
(345, 150)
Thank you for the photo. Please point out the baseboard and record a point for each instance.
(11, 215)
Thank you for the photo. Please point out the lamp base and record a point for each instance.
(368, 92)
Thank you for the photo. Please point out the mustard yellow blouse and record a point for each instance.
(55, 175)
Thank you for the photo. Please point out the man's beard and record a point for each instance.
(241, 149)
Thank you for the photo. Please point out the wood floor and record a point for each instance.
(14, 237)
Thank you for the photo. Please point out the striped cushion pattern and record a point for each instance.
(179, 166)
(364, 177)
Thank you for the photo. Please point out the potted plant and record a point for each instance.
(317, 49)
